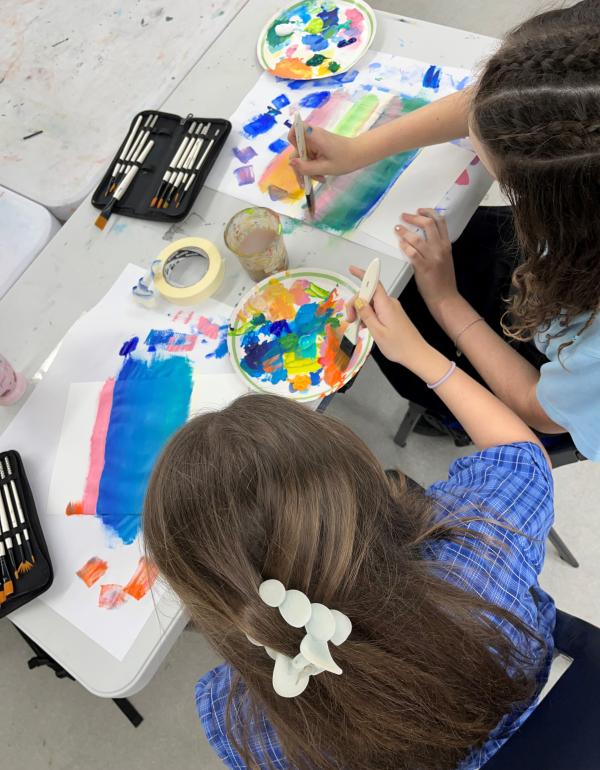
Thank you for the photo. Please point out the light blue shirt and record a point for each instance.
(569, 388)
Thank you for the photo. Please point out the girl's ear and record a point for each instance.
(481, 150)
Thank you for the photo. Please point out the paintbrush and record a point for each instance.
(173, 165)
(13, 521)
(135, 150)
(17, 501)
(7, 584)
(122, 156)
(198, 167)
(7, 538)
(350, 338)
(301, 145)
(185, 166)
(122, 188)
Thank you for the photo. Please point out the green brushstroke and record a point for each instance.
(317, 292)
(315, 60)
(314, 26)
(368, 186)
(357, 115)
(411, 103)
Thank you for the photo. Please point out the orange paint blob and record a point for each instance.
(332, 374)
(279, 301)
(75, 509)
(92, 570)
(300, 382)
(143, 579)
(292, 68)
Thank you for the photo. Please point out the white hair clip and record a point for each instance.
(291, 675)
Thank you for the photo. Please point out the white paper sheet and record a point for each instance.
(422, 185)
(52, 432)
(244, 168)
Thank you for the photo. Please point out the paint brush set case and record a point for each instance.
(25, 566)
(173, 156)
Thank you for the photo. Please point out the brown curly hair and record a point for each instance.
(536, 109)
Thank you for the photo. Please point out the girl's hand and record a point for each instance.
(431, 256)
(328, 154)
(393, 331)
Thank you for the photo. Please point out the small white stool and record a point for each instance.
(25, 228)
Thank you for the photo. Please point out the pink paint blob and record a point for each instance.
(183, 347)
(12, 384)
(463, 179)
(356, 19)
(111, 596)
(207, 328)
(97, 444)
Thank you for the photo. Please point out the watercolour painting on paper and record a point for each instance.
(254, 164)
(316, 38)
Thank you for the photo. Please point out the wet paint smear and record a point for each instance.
(315, 99)
(244, 154)
(278, 146)
(431, 79)
(244, 175)
(92, 570)
(111, 596)
(281, 101)
(259, 125)
(143, 579)
(292, 335)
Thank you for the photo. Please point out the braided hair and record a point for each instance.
(537, 111)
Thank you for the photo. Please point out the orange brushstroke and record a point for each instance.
(332, 374)
(330, 303)
(143, 579)
(111, 596)
(279, 301)
(280, 174)
(292, 68)
(75, 509)
(92, 570)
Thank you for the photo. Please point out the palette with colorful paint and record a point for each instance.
(316, 38)
(285, 334)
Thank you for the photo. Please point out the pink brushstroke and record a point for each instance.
(187, 346)
(463, 179)
(111, 596)
(97, 444)
(207, 328)
(329, 114)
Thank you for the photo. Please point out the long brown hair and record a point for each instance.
(536, 108)
(267, 488)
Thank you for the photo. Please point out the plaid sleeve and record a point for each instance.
(212, 693)
(510, 486)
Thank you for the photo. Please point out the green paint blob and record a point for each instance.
(333, 66)
(315, 60)
(314, 26)
(357, 115)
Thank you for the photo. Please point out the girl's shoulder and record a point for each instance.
(585, 338)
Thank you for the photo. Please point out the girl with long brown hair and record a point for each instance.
(520, 275)
(366, 624)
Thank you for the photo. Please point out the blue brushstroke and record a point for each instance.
(281, 101)
(278, 146)
(129, 346)
(431, 79)
(221, 350)
(151, 400)
(315, 42)
(459, 86)
(157, 338)
(367, 87)
(315, 99)
(259, 125)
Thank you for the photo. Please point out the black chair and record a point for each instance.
(563, 733)
(560, 448)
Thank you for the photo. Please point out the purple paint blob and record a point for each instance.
(244, 175)
(129, 346)
(244, 154)
(344, 43)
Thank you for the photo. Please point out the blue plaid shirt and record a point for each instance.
(512, 482)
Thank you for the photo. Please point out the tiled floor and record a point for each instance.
(47, 723)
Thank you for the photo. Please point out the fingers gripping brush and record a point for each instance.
(350, 338)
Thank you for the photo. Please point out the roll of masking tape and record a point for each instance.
(188, 270)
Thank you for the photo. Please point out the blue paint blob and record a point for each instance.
(278, 146)
(129, 346)
(315, 378)
(278, 328)
(151, 400)
(344, 43)
(158, 337)
(316, 99)
(374, 65)
(259, 125)
(461, 84)
(296, 85)
(431, 79)
(221, 350)
(346, 77)
(367, 87)
(281, 101)
(315, 42)
(329, 18)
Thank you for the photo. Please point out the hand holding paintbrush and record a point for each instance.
(365, 293)
(301, 147)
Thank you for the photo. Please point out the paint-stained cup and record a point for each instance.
(255, 237)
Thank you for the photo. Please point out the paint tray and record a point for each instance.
(39, 578)
(167, 134)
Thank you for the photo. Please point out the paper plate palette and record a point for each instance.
(285, 334)
(316, 39)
